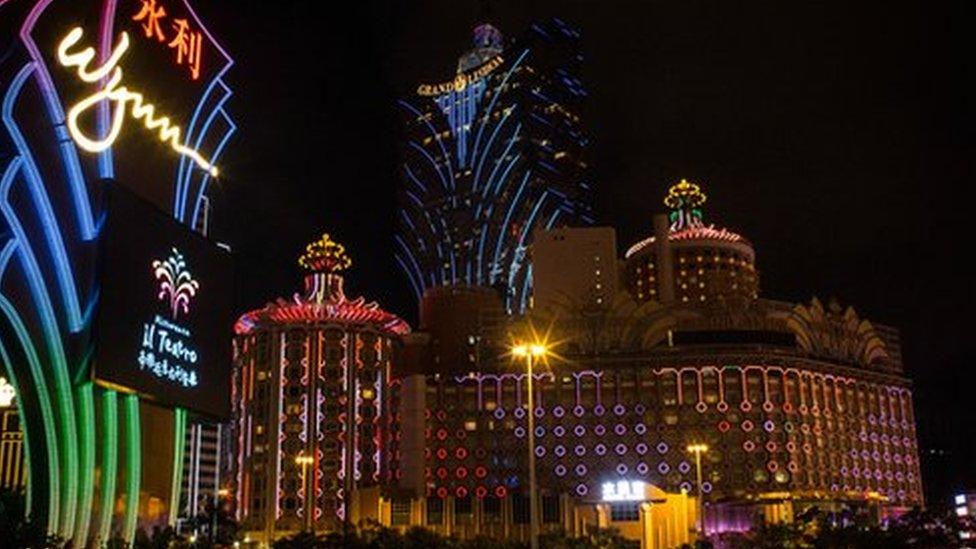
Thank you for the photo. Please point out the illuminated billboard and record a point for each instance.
(165, 318)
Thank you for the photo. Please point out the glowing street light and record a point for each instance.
(531, 351)
(698, 449)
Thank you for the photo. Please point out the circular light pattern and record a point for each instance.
(599, 410)
(581, 489)
(519, 432)
(540, 451)
(519, 412)
(501, 492)
(559, 430)
(620, 429)
(768, 426)
(747, 426)
(663, 468)
(560, 450)
(559, 411)
(480, 472)
(499, 413)
(560, 470)
(639, 409)
(600, 449)
(748, 446)
(540, 411)
(640, 429)
(723, 426)
(578, 411)
(621, 449)
(579, 430)
(684, 467)
(641, 448)
(685, 487)
(706, 487)
(662, 448)
(580, 450)
(621, 469)
(540, 431)
(701, 407)
(619, 409)
(580, 470)
(480, 492)
(599, 430)
(722, 407)
(642, 468)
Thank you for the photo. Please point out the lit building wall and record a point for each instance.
(315, 400)
(574, 266)
(13, 467)
(490, 156)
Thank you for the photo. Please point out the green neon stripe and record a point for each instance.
(47, 414)
(86, 435)
(133, 471)
(110, 463)
(179, 447)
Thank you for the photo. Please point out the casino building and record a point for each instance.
(315, 402)
(492, 154)
(799, 404)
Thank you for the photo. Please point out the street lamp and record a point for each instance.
(531, 351)
(698, 449)
(305, 461)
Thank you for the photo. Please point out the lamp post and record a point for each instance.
(305, 461)
(698, 450)
(530, 352)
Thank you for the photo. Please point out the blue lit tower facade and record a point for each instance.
(489, 157)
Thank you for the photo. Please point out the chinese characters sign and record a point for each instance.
(185, 41)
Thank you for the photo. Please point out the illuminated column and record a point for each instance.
(647, 526)
(665, 260)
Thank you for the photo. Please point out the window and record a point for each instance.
(625, 512)
(400, 512)
(550, 509)
(492, 509)
(463, 510)
(520, 509)
(435, 511)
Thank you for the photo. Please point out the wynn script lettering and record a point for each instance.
(109, 75)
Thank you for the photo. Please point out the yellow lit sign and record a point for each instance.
(462, 80)
(109, 75)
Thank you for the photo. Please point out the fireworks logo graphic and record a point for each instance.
(175, 282)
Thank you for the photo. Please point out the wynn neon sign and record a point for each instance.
(109, 76)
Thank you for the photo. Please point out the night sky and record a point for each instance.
(838, 138)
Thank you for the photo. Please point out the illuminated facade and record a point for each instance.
(13, 470)
(489, 157)
(315, 395)
(798, 404)
(89, 478)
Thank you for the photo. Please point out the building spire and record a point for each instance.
(685, 200)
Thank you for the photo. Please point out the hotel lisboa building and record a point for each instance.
(799, 404)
